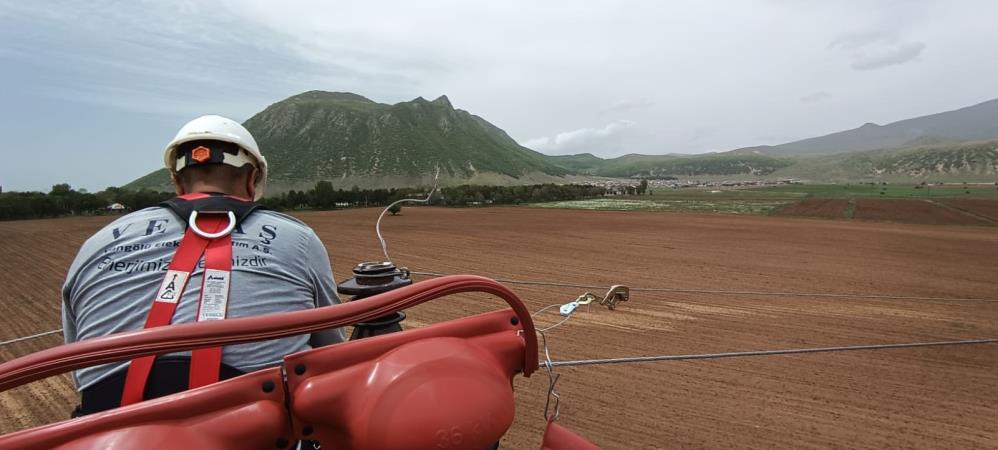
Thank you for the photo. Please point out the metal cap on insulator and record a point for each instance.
(372, 278)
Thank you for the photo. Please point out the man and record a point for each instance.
(278, 264)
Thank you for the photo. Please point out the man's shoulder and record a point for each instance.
(275, 216)
(265, 218)
(143, 214)
(123, 223)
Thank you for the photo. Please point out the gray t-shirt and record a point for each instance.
(278, 265)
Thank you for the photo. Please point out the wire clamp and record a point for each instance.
(617, 293)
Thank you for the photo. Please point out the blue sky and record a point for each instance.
(93, 90)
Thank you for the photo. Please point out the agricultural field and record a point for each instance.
(729, 206)
(913, 211)
(975, 204)
(983, 208)
(827, 208)
(900, 398)
(882, 190)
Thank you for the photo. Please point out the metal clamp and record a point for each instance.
(617, 293)
(192, 222)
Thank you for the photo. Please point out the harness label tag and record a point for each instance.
(215, 296)
(172, 287)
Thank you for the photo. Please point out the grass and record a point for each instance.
(889, 191)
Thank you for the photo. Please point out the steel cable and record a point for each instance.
(727, 292)
(25, 338)
(793, 351)
(377, 225)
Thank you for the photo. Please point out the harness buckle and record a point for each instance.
(192, 222)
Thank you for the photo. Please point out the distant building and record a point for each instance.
(115, 208)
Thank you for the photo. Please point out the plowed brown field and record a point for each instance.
(829, 208)
(986, 208)
(913, 211)
(912, 398)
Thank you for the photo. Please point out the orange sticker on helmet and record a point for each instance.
(201, 154)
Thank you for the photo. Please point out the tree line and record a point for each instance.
(63, 200)
(324, 196)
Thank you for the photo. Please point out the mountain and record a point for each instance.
(948, 162)
(350, 140)
(973, 123)
(583, 163)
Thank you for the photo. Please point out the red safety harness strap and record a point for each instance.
(185, 260)
(205, 362)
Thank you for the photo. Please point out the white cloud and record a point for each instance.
(891, 56)
(627, 105)
(876, 49)
(853, 41)
(815, 97)
(742, 69)
(580, 140)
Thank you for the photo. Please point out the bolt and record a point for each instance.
(268, 386)
(300, 369)
(515, 320)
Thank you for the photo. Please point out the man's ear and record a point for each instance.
(176, 184)
(251, 183)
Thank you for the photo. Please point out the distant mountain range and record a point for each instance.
(960, 145)
(978, 122)
(352, 141)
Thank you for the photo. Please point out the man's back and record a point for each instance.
(278, 265)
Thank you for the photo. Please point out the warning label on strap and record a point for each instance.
(215, 296)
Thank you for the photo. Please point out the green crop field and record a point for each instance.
(712, 194)
(769, 199)
(874, 191)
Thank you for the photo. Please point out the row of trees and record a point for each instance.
(324, 196)
(62, 200)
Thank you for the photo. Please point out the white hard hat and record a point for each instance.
(218, 128)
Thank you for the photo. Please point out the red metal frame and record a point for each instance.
(124, 346)
(236, 413)
(449, 384)
(444, 386)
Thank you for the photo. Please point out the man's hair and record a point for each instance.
(230, 178)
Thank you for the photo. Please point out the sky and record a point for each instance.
(92, 91)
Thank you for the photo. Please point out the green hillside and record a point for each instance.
(583, 163)
(351, 140)
(660, 166)
(977, 122)
(970, 161)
